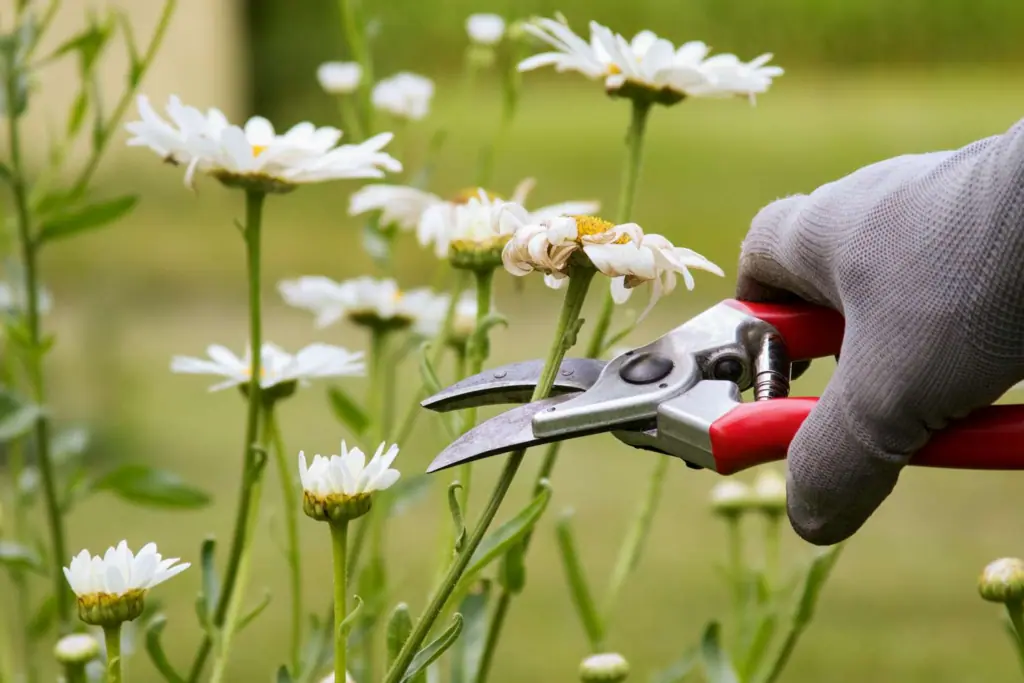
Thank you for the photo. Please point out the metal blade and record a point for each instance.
(514, 383)
(510, 431)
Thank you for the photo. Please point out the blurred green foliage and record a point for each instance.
(427, 36)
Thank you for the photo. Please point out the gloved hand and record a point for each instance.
(924, 255)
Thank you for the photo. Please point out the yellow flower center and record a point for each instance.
(588, 226)
(613, 69)
(463, 196)
(258, 150)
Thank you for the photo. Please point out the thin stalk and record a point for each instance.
(34, 363)
(567, 319)
(375, 398)
(112, 637)
(356, 40)
(477, 356)
(1015, 610)
(107, 132)
(289, 494)
(734, 539)
(633, 544)
(627, 195)
(249, 489)
(339, 548)
(75, 673)
(772, 543)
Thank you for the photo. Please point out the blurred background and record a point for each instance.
(864, 81)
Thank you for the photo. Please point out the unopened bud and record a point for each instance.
(608, 667)
(770, 492)
(77, 648)
(1003, 580)
(731, 498)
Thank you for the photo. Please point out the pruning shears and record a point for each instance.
(680, 395)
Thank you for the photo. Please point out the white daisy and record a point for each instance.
(485, 29)
(769, 491)
(363, 300)
(339, 78)
(622, 252)
(76, 648)
(463, 320)
(404, 95)
(648, 62)
(13, 300)
(277, 366)
(255, 155)
(339, 487)
(111, 588)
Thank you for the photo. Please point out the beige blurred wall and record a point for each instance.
(202, 60)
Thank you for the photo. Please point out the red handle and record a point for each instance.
(751, 434)
(809, 331)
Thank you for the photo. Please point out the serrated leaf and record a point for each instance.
(469, 648)
(348, 412)
(149, 486)
(497, 542)
(19, 423)
(678, 670)
(717, 667)
(89, 217)
(155, 649)
(19, 557)
(434, 649)
(579, 589)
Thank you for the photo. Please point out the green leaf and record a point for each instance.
(717, 667)
(455, 508)
(398, 631)
(512, 573)
(317, 648)
(251, 615)
(407, 492)
(427, 372)
(89, 217)
(348, 412)
(498, 542)
(345, 627)
(78, 110)
(434, 649)
(282, 675)
(817, 574)
(678, 670)
(145, 485)
(469, 649)
(19, 423)
(156, 650)
(210, 594)
(19, 557)
(764, 631)
(579, 589)
(43, 619)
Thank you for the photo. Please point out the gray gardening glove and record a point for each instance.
(924, 255)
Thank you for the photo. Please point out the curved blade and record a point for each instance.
(510, 431)
(514, 383)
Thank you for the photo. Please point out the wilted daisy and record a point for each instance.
(648, 65)
(622, 252)
(485, 29)
(364, 300)
(278, 368)
(339, 78)
(339, 487)
(404, 95)
(111, 589)
(255, 155)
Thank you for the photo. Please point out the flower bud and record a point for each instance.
(769, 494)
(731, 498)
(335, 507)
(105, 609)
(608, 667)
(1003, 581)
(77, 648)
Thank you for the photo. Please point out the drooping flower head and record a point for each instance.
(111, 589)
(280, 371)
(339, 487)
(622, 252)
(365, 301)
(255, 155)
(339, 78)
(648, 67)
(404, 95)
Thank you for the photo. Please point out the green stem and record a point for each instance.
(734, 540)
(289, 494)
(339, 548)
(572, 305)
(633, 544)
(107, 131)
(249, 487)
(34, 362)
(630, 176)
(493, 635)
(477, 356)
(1015, 610)
(112, 636)
(74, 673)
(772, 543)
(360, 50)
(376, 396)
(785, 652)
(350, 117)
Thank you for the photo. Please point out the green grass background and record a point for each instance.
(902, 605)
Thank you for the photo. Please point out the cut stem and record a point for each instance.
(250, 485)
(575, 295)
(290, 497)
(339, 550)
(112, 637)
